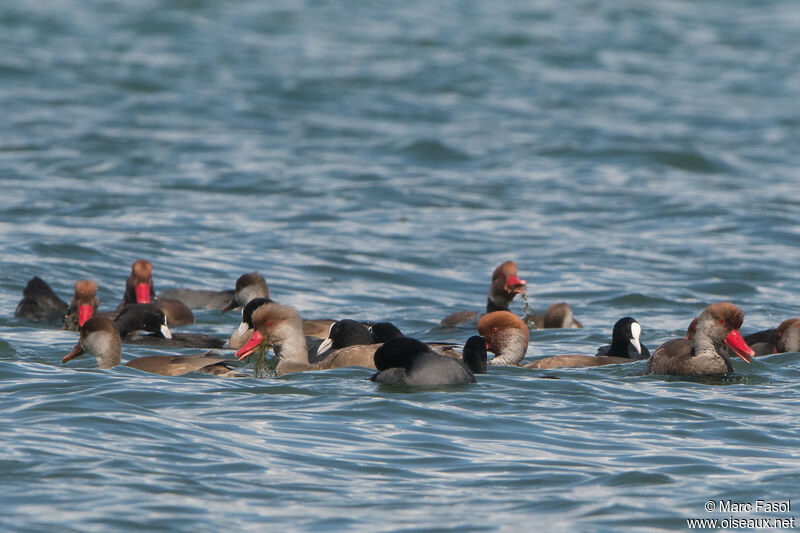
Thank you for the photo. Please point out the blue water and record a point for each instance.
(378, 160)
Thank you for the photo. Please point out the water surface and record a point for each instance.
(378, 161)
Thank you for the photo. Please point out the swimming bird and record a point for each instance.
(718, 325)
(625, 347)
(199, 298)
(100, 338)
(281, 327)
(248, 286)
(788, 336)
(504, 287)
(139, 289)
(407, 361)
(151, 319)
(506, 336)
(343, 333)
(557, 316)
(40, 303)
(83, 305)
(784, 338)
(625, 341)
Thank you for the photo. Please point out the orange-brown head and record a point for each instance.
(506, 336)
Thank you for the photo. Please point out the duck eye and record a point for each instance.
(269, 322)
(722, 321)
(494, 329)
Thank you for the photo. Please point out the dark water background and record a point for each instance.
(378, 160)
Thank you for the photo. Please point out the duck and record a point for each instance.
(40, 303)
(506, 336)
(248, 286)
(717, 326)
(281, 327)
(198, 298)
(408, 361)
(505, 285)
(100, 338)
(139, 289)
(625, 347)
(784, 338)
(252, 285)
(242, 333)
(83, 305)
(152, 319)
(788, 336)
(557, 316)
(317, 329)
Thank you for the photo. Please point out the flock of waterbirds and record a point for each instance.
(300, 344)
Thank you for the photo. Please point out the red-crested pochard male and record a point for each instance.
(506, 336)
(504, 287)
(40, 303)
(139, 289)
(281, 327)
(407, 361)
(83, 306)
(100, 338)
(718, 325)
(784, 338)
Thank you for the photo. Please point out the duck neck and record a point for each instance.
(706, 349)
(107, 350)
(293, 348)
(513, 349)
(497, 302)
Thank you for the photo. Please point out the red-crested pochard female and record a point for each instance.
(788, 336)
(41, 304)
(557, 316)
(281, 327)
(784, 338)
(100, 338)
(407, 361)
(248, 286)
(718, 325)
(504, 287)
